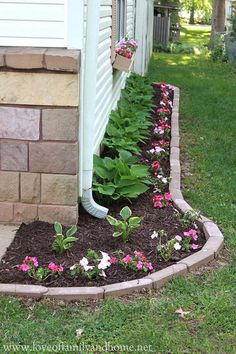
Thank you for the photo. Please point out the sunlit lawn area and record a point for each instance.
(208, 128)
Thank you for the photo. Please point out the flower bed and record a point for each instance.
(98, 258)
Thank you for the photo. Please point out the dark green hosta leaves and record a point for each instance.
(119, 177)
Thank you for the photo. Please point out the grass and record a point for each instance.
(208, 128)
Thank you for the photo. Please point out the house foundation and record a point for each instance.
(39, 100)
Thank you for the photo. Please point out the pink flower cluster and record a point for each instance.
(194, 236)
(137, 262)
(127, 47)
(55, 268)
(162, 127)
(161, 201)
(156, 165)
(28, 263)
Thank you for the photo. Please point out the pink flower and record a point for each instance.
(158, 205)
(112, 260)
(139, 265)
(178, 238)
(149, 266)
(24, 267)
(191, 233)
(53, 267)
(33, 260)
(128, 259)
(158, 197)
(168, 196)
(60, 268)
(139, 254)
(194, 246)
(156, 165)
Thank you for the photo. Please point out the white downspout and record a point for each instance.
(89, 108)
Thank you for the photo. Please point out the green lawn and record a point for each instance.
(208, 127)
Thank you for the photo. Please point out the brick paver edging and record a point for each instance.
(155, 280)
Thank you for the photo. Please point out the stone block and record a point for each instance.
(9, 186)
(14, 156)
(214, 243)
(6, 212)
(60, 124)
(127, 287)
(66, 215)
(162, 276)
(25, 212)
(30, 188)
(24, 58)
(75, 293)
(182, 205)
(59, 189)
(198, 259)
(32, 291)
(62, 60)
(211, 230)
(19, 123)
(51, 157)
(41, 89)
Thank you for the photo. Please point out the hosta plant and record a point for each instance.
(123, 228)
(63, 242)
(120, 177)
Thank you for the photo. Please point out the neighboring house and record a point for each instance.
(57, 89)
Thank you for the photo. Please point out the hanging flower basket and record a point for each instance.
(125, 54)
(122, 63)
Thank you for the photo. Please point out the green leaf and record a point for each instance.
(106, 189)
(58, 228)
(71, 231)
(117, 234)
(139, 171)
(135, 220)
(111, 220)
(125, 213)
(70, 239)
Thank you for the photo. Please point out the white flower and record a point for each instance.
(178, 238)
(84, 264)
(154, 235)
(177, 246)
(102, 274)
(164, 180)
(104, 262)
(73, 267)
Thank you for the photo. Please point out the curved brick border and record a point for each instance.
(155, 280)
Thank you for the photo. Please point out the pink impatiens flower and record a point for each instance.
(168, 196)
(157, 205)
(156, 165)
(191, 233)
(178, 238)
(149, 266)
(32, 260)
(139, 254)
(194, 246)
(60, 268)
(139, 265)
(24, 267)
(112, 260)
(128, 259)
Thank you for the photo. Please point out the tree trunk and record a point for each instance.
(192, 13)
(218, 19)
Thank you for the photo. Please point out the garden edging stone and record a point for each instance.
(210, 250)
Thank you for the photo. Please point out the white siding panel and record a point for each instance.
(33, 23)
(108, 91)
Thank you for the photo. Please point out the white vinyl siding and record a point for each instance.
(33, 23)
(108, 89)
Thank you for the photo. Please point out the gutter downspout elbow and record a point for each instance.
(89, 108)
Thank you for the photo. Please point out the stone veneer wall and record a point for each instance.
(39, 135)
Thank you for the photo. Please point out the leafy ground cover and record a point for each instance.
(207, 298)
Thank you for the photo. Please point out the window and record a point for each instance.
(118, 24)
(120, 20)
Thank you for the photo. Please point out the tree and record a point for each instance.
(218, 19)
(193, 5)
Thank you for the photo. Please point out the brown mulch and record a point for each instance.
(36, 239)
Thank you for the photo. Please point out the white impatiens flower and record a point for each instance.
(73, 267)
(84, 264)
(177, 246)
(164, 180)
(105, 261)
(102, 274)
(154, 235)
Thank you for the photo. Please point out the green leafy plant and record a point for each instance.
(188, 218)
(63, 242)
(120, 177)
(123, 228)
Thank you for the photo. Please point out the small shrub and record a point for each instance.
(63, 242)
(123, 228)
(218, 53)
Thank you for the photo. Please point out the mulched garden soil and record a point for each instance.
(36, 239)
